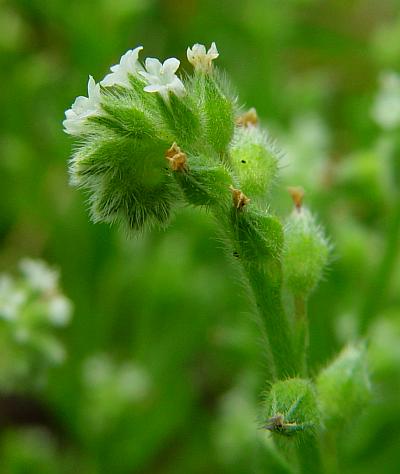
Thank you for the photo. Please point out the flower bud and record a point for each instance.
(254, 161)
(306, 252)
(217, 109)
(344, 387)
(127, 179)
(205, 182)
(291, 408)
(259, 235)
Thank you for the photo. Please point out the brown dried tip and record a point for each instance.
(249, 118)
(177, 159)
(275, 422)
(239, 198)
(297, 194)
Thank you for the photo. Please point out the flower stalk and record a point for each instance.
(150, 142)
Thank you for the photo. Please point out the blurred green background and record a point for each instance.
(165, 364)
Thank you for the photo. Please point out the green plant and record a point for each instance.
(148, 143)
(32, 307)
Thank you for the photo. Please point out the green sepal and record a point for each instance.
(306, 252)
(182, 120)
(254, 161)
(344, 387)
(291, 409)
(259, 235)
(217, 108)
(205, 183)
(127, 180)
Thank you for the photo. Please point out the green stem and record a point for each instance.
(258, 250)
(309, 456)
(263, 277)
(267, 296)
(377, 292)
(301, 332)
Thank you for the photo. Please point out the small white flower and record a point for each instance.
(386, 109)
(59, 310)
(82, 108)
(39, 276)
(11, 298)
(128, 64)
(161, 78)
(200, 59)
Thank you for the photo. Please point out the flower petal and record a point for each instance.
(153, 66)
(170, 66)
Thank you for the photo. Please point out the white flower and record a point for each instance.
(386, 109)
(128, 64)
(82, 108)
(39, 276)
(200, 59)
(162, 78)
(11, 298)
(59, 310)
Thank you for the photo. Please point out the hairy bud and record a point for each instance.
(344, 387)
(253, 161)
(291, 408)
(306, 252)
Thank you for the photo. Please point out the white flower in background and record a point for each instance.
(82, 108)
(11, 298)
(200, 59)
(128, 64)
(38, 275)
(386, 109)
(59, 310)
(161, 78)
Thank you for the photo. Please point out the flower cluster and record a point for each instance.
(158, 77)
(132, 118)
(110, 389)
(30, 307)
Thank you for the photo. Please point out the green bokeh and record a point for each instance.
(169, 302)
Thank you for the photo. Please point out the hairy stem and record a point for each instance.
(263, 277)
(267, 297)
(309, 456)
(301, 332)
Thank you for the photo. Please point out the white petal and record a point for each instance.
(153, 66)
(213, 51)
(177, 87)
(91, 86)
(153, 88)
(170, 66)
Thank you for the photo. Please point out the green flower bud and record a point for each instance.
(182, 119)
(259, 235)
(306, 252)
(216, 107)
(205, 182)
(291, 408)
(126, 177)
(344, 387)
(254, 161)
